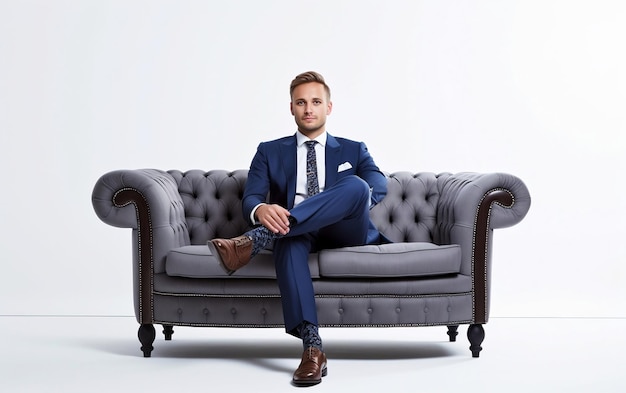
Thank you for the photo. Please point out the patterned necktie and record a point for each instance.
(312, 186)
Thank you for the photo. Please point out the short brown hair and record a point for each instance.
(307, 77)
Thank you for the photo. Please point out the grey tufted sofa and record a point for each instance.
(436, 273)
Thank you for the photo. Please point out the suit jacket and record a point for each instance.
(272, 175)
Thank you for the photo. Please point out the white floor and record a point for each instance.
(101, 354)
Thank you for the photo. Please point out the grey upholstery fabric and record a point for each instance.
(259, 311)
(197, 262)
(172, 215)
(391, 260)
(336, 287)
(387, 260)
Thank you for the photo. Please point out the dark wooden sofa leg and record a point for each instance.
(146, 334)
(168, 330)
(452, 332)
(476, 335)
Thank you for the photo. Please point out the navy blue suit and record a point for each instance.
(336, 217)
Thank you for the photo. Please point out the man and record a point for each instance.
(320, 191)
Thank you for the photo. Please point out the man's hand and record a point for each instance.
(273, 217)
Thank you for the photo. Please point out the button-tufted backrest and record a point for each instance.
(408, 213)
(212, 205)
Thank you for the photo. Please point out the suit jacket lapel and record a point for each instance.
(289, 158)
(333, 156)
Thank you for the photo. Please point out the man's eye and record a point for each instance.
(317, 102)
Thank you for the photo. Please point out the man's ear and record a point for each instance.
(330, 108)
(291, 108)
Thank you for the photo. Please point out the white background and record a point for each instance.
(532, 88)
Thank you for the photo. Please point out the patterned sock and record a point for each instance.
(261, 238)
(310, 336)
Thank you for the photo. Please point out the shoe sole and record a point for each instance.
(311, 382)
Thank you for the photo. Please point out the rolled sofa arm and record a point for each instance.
(125, 198)
(504, 199)
(148, 202)
(472, 205)
(156, 186)
(462, 188)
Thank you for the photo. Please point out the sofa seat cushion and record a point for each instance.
(197, 262)
(415, 259)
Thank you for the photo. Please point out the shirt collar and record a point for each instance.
(301, 138)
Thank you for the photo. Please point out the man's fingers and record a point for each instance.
(275, 218)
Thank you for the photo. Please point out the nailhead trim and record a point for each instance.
(142, 317)
(486, 245)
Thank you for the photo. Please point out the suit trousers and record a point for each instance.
(336, 217)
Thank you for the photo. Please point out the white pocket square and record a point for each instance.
(344, 167)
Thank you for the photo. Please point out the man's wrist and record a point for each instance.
(253, 217)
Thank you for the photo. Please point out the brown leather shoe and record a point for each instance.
(233, 253)
(312, 368)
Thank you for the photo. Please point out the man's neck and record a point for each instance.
(302, 138)
(312, 134)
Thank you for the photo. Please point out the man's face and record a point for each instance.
(309, 107)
